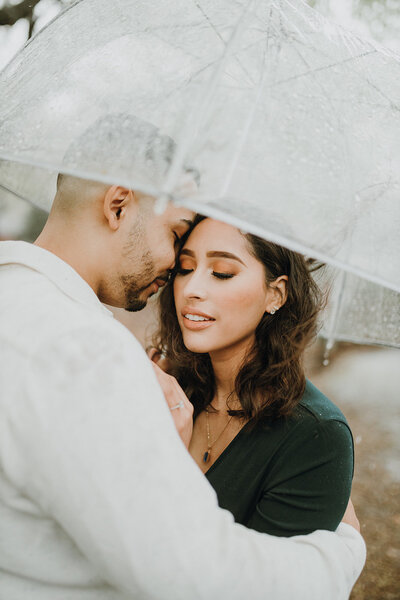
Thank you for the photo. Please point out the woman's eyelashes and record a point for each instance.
(181, 271)
(218, 275)
(223, 275)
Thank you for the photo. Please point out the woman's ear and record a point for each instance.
(277, 294)
(115, 204)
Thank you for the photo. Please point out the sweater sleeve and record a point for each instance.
(309, 485)
(96, 449)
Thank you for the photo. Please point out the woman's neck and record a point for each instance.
(226, 364)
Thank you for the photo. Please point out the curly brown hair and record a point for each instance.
(271, 380)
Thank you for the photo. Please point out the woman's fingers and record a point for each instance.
(158, 358)
(179, 405)
(350, 516)
(153, 354)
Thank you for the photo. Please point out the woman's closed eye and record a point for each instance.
(223, 275)
(182, 271)
(217, 274)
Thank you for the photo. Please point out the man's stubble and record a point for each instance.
(136, 283)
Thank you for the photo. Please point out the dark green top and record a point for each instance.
(292, 476)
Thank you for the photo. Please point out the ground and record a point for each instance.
(365, 384)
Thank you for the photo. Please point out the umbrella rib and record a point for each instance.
(292, 25)
(355, 72)
(348, 59)
(352, 215)
(157, 33)
(192, 77)
(326, 67)
(320, 85)
(200, 110)
(25, 199)
(330, 66)
(250, 119)
(360, 340)
(239, 222)
(341, 99)
(44, 28)
(90, 175)
(219, 36)
(334, 317)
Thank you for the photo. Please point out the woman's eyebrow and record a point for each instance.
(220, 254)
(187, 252)
(187, 222)
(214, 254)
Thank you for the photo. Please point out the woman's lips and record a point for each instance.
(194, 319)
(194, 325)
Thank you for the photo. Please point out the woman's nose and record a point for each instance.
(194, 287)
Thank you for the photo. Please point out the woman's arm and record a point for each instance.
(309, 484)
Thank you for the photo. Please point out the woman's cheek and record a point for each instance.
(242, 298)
(246, 305)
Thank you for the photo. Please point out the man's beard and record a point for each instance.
(134, 285)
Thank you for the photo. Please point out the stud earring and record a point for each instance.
(274, 309)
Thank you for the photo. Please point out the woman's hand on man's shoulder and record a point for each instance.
(350, 517)
(177, 401)
(157, 357)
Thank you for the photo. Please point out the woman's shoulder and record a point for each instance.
(315, 406)
(316, 427)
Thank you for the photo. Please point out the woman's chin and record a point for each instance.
(197, 346)
(197, 349)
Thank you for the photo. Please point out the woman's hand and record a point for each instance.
(158, 358)
(180, 407)
(350, 516)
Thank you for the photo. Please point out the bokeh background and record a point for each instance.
(363, 381)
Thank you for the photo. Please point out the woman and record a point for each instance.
(235, 321)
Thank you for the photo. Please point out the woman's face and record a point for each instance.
(220, 289)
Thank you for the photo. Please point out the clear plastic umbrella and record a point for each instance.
(292, 123)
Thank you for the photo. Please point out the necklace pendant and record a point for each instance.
(207, 456)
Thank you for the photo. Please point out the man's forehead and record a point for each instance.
(188, 222)
(187, 184)
(180, 214)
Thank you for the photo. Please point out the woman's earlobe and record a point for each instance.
(273, 310)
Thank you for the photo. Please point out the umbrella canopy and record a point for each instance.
(291, 123)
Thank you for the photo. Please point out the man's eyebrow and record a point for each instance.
(214, 254)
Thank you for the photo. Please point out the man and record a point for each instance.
(99, 498)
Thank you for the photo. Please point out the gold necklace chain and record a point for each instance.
(207, 453)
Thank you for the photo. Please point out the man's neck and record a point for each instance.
(70, 250)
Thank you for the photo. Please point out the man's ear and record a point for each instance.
(115, 204)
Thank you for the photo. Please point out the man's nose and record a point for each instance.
(172, 258)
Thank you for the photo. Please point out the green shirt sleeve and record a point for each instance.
(309, 484)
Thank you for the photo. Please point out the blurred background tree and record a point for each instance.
(376, 19)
